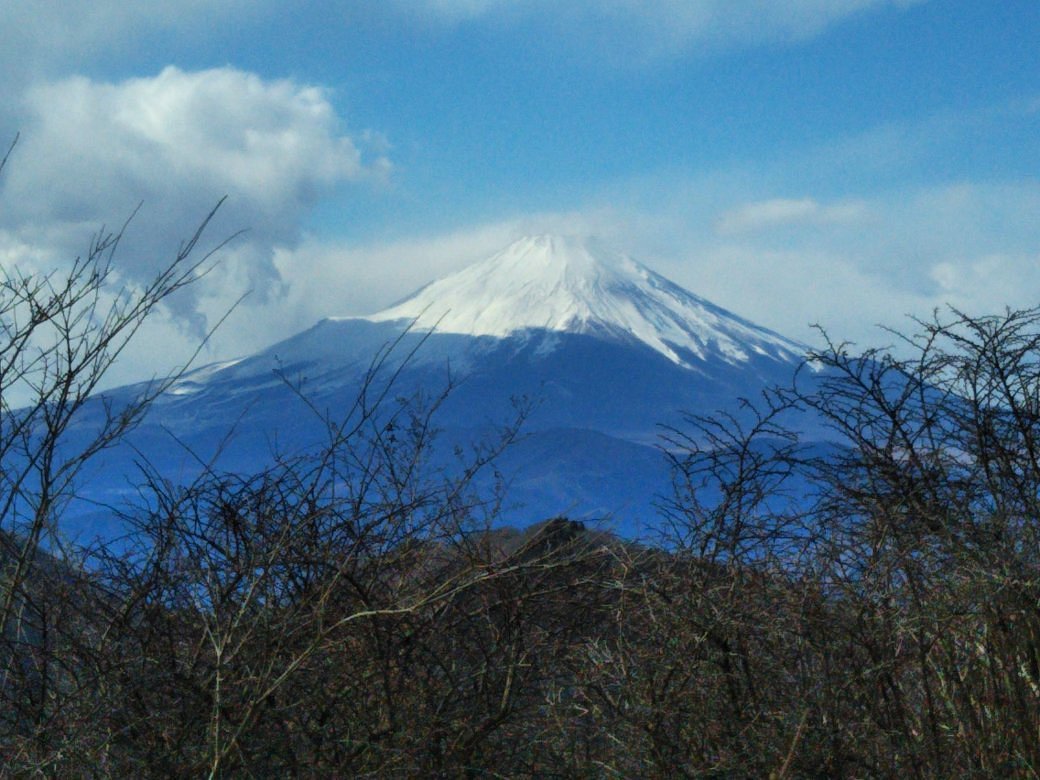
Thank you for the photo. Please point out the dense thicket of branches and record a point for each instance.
(866, 608)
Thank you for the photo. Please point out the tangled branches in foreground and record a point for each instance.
(866, 607)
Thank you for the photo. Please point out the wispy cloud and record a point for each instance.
(849, 265)
(663, 24)
(852, 265)
(43, 35)
(779, 212)
(915, 251)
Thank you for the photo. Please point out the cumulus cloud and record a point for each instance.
(46, 39)
(176, 142)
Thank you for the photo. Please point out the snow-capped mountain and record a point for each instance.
(603, 349)
(570, 285)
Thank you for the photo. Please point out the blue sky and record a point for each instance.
(846, 162)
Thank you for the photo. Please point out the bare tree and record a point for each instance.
(60, 333)
(862, 607)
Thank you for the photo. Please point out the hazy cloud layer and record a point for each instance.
(848, 265)
(778, 240)
(906, 253)
(44, 34)
(781, 212)
(663, 24)
(851, 265)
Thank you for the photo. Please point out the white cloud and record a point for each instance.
(321, 278)
(794, 290)
(988, 283)
(662, 25)
(897, 253)
(339, 279)
(917, 250)
(849, 265)
(48, 39)
(45, 34)
(176, 142)
(778, 212)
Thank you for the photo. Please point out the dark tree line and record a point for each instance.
(867, 608)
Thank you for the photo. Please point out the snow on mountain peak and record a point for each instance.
(575, 285)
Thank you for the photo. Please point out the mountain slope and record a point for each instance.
(601, 349)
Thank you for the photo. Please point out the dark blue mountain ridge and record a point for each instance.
(603, 351)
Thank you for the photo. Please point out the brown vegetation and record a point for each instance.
(864, 610)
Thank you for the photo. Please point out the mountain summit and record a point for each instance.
(598, 351)
(572, 285)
